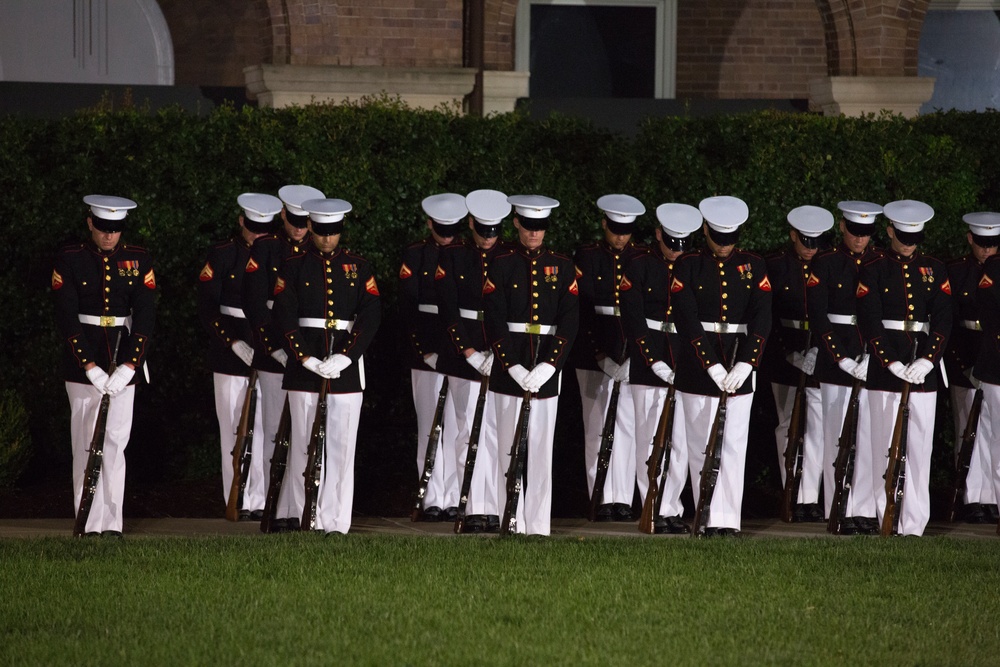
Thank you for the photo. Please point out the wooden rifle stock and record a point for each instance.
(965, 453)
(713, 461)
(795, 441)
(243, 449)
(607, 444)
(470, 455)
(659, 455)
(95, 456)
(433, 439)
(279, 461)
(843, 467)
(315, 452)
(895, 472)
(518, 461)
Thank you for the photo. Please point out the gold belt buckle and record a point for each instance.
(331, 324)
(533, 328)
(107, 320)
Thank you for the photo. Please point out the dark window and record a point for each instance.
(592, 51)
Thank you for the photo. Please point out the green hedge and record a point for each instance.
(185, 172)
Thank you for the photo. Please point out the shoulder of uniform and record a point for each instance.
(350, 254)
(589, 247)
(751, 255)
(135, 248)
(72, 248)
(957, 262)
(561, 256)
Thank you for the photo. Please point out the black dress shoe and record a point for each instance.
(450, 514)
(711, 532)
(244, 515)
(432, 514)
(605, 512)
(92, 534)
(474, 523)
(256, 515)
(809, 513)
(492, 523)
(292, 523)
(849, 527)
(279, 525)
(621, 512)
(670, 525)
(991, 513)
(974, 513)
(114, 534)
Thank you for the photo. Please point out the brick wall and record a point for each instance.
(748, 48)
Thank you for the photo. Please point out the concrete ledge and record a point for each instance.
(501, 90)
(857, 95)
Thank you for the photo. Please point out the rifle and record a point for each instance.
(793, 447)
(843, 467)
(713, 461)
(430, 456)
(965, 453)
(518, 461)
(243, 449)
(279, 461)
(470, 457)
(895, 472)
(660, 453)
(607, 444)
(314, 457)
(95, 457)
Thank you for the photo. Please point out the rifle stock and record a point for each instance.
(437, 425)
(795, 441)
(95, 456)
(713, 461)
(518, 460)
(242, 449)
(965, 453)
(279, 461)
(895, 472)
(659, 459)
(607, 445)
(315, 452)
(843, 467)
(470, 456)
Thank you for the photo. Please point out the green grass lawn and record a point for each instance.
(386, 600)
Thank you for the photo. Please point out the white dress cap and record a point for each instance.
(294, 195)
(724, 214)
(621, 208)
(810, 220)
(863, 212)
(983, 223)
(908, 215)
(533, 206)
(678, 220)
(326, 210)
(446, 208)
(258, 207)
(109, 208)
(488, 207)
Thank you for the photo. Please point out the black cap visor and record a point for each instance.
(486, 231)
(724, 238)
(619, 228)
(674, 243)
(986, 241)
(859, 228)
(107, 226)
(447, 231)
(296, 220)
(258, 227)
(908, 238)
(534, 224)
(327, 228)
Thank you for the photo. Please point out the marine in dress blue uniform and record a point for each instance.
(600, 356)
(104, 292)
(652, 337)
(230, 338)
(531, 311)
(327, 303)
(987, 368)
(904, 300)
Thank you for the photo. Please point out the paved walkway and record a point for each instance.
(580, 528)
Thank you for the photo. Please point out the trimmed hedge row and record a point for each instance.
(186, 171)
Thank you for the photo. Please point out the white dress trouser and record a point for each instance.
(861, 501)
(462, 397)
(443, 487)
(696, 428)
(335, 498)
(230, 390)
(84, 404)
(595, 395)
(534, 509)
(916, 509)
(990, 419)
(648, 403)
(812, 443)
(979, 483)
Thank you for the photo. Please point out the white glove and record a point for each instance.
(609, 366)
(735, 378)
(899, 370)
(718, 374)
(860, 371)
(280, 356)
(520, 375)
(243, 351)
(538, 376)
(431, 360)
(809, 362)
(918, 370)
(487, 366)
(621, 375)
(338, 362)
(476, 360)
(313, 364)
(664, 372)
(796, 359)
(98, 378)
(848, 365)
(119, 380)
